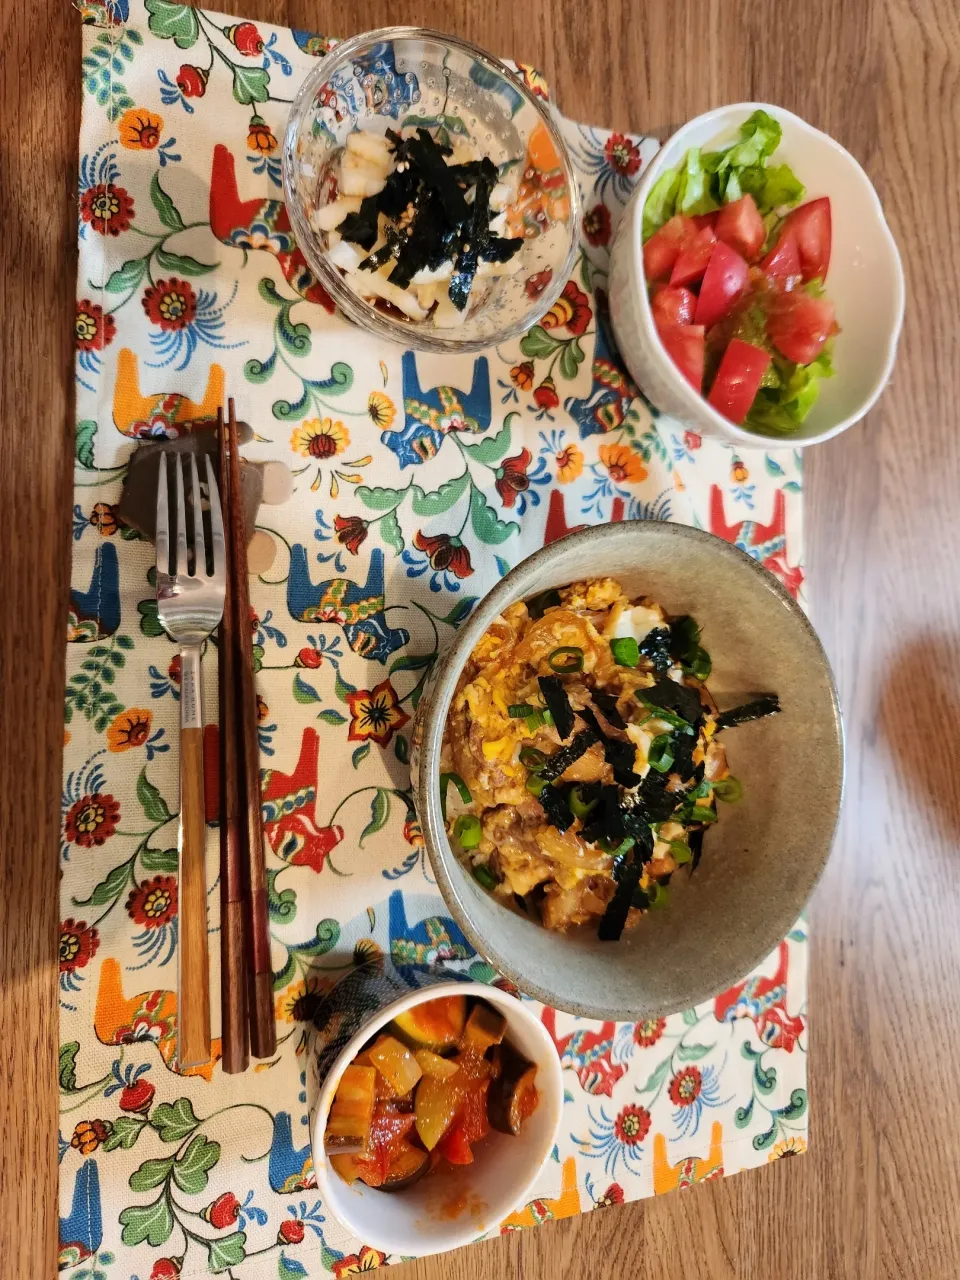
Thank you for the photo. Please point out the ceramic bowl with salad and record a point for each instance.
(430, 191)
(756, 290)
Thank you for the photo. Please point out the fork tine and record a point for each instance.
(182, 562)
(163, 518)
(216, 525)
(199, 543)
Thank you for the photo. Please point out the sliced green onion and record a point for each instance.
(458, 782)
(703, 788)
(657, 894)
(547, 715)
(624, 847)
(681, 852)
(728, 789)
(520, 710)
(580, 807)
(699, 814)
(534, 721)
(468, 831)
(566, 660)
(625, 651)
(662, 713)
(535, 784)
(532, 758)
(700, 665)
(660, 753)
(483, 875)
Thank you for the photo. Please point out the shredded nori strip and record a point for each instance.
(607, 702)
(684, 638)
(394, 242)
(627, 874)
(361, 227)
(655, 645)
(767, 705)
(654, 801)
(564, 758)
(639, 900)
(635, 823)
(558, 704)
(683, 746)
(618, 754)
(678, 698)
(427, 154)
(695, 841)
(555, 804)
(538, 605)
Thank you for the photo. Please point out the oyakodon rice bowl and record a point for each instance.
(573, 865)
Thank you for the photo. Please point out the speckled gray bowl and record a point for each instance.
(760, 861)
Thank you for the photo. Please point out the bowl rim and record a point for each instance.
(550, 1089)
(696, 405)
(514, 586)
(360, 312)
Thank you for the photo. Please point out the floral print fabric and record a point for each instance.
(417, 483)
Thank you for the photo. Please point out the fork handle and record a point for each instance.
(193, 1000)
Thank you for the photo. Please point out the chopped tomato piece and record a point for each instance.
(723, 283)
(701, 220)
(684, 344)
(740, 226)
(660, 251)
(800, 325)
(473, 1118)
(455, 1147)
(811, 225)
(782, 263)
(693, 257)
(738, 379)
(672, 304)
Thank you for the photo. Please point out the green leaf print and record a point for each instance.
(183, 263)
(378, 499)
(151, 801)
(126, 1130)
(763, 1140)
(260, 370)
(341, 687)
(326, 937)
(67, 1067)
(571, 359)
(159, 859)
(360, 755)
(538, 343)
(282, 904)
(86, 434)
(150, 1174)
(492, 448)
(412, 662)
(174, 1120)
(190, 1170)
(329, 716)
(379, 813)
(692, 1052)
(176, 22)
(657, 1078)
(109, 889)
(227, 1252)
(251, 84)
(391, 533)
(304, 692)
(149, 619)
(795, 1107)
(442, 499)
(295, 337)
(149, 1222)
(167, 211)
(486, 523)
(126, 277)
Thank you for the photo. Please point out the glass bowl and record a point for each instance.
(407, 76)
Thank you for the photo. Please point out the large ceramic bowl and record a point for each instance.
(864, 282)
(407, 76)
(763, 857)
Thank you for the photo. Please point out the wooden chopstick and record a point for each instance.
(263, 1028)
(233, 978)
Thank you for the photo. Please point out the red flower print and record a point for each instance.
(511, 476)
(165, 1269)
(685, 1086)
(308, 657)
(365, 1259)
(173, 671)
(536, 284)
(223, 1212)
(446, 554)
(88, 1135)
(649, 1031)
(692, 440)
(91, 820)
(612, 1195)
(245, 38)
(95, 328)
(262, 710)
(107, 208)
(137, 1097)
(413, 832)
(291, 1231)
(596, 224)
(622, 154)
(570, 311)
(171, 304)
(546, 394)
(78, 944)
(632, 1125)
(351, 531)
(192, 81)
(153, 903)
(375, 714)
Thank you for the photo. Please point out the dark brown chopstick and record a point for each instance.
(263, 1029)
(233, 978)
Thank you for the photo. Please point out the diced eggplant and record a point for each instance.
(485, 1027)
(435, 1024)
(513, 1094)
(407, 1166)
(395, 1063)
(352, 1111)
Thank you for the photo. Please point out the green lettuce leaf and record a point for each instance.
(780, 409)
(661, 202)
(694, 193)
(759, 138)
(780, 187)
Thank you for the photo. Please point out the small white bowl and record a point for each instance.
(864, 281)
(423, 1219)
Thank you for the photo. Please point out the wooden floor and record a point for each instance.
(879, 1193)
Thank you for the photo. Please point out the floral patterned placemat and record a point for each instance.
(419, 481)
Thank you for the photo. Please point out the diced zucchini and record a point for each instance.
(485, 1027)
(395, 1063)
(435, 1024)
(431, 1064)
(436, 1105)
(352, 1111)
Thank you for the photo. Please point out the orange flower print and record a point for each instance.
(569, 462)
(738, 472)
(103, 517)
(625, 466)
(521, 375)
(259, 138)
(140, 129)
(88, 1135)
(131, 728)
(375, 714)
(365, 1259)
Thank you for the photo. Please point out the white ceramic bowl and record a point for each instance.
(865, 282)
(421, 1220)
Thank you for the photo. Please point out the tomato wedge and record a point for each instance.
(811, 225)
(800, 325)
(660, 251)
(723, 283)
(782, 263)
(684, 344)
(693, 257)
(738, 379)
(455, 1147)
(701, 220)
(672, 305)
(740, 226)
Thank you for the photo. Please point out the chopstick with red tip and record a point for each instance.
(233, 976)
(263, 1029)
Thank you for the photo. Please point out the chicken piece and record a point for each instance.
(512, 835)
(583, 904)
(597, 593)
(715, 763)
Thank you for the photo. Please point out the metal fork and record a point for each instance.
(190, 598)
